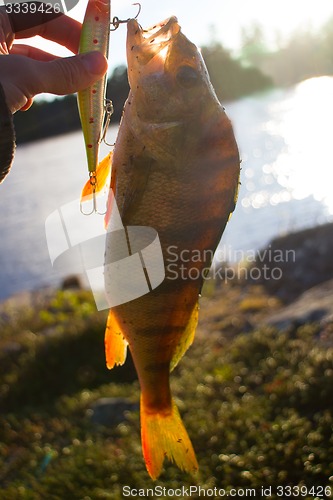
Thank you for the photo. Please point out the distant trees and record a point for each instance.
(254, 47)
(45, 119)
(230, 78)
(305, 54)
(327, 43)
(117, 91)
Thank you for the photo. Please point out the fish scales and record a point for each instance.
(176, 169)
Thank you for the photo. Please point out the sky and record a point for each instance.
(205, 20)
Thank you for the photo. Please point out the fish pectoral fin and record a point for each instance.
(187, 337)
(115, 343)
(163, 435)
(102, 174)
(157, 136)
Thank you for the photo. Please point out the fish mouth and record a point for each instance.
(144, 45)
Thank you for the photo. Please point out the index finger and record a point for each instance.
(63, 30)
(49, 24)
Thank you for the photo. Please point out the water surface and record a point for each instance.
(285, 140)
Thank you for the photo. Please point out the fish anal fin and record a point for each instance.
(163, 435)
(102, 174)
(187, 337)
(115, 343)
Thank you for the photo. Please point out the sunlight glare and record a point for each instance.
(306, 123)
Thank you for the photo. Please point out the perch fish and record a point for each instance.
(175, 168)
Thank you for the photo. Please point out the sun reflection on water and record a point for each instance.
(304, 122)
(303, 169)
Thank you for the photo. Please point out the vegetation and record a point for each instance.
(230, 78)
(258, 405)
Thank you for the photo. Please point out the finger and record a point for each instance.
(27, 105)
(32, 52)
(67, 75)
(3, 49)
(63, 30)
(3, 44)
(6, 35)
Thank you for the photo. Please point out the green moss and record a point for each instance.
(257, 406)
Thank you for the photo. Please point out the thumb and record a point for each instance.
(67, 75)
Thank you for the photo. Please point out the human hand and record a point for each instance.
(26, 71)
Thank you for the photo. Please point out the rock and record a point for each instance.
(72, 283)
(111, 411)
(314, 305)
(302, 260)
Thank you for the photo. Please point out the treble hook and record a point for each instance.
(93, 182)
(116, 21)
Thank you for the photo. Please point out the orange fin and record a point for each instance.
(164, 435)
(110, 198)
(187, 337)
(115, 343)
(235, 197)
(109, 206)
(102, 173)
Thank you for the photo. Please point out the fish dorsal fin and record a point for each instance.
(102, 174)
(187, 337)
(115, 342)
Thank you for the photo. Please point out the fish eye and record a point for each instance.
(187, 77)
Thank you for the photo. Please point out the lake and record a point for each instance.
(285, 141)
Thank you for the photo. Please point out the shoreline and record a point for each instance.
(310, 266)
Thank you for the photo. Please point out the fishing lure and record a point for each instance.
(94, 109)
(92, 103)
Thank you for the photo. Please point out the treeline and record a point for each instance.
(229, 77)
(307, 53)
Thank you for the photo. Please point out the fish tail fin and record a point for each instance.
(115, 343)
(163, 435)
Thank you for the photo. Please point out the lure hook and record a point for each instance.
(116, 21)
(93, 182)
(108, 108)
